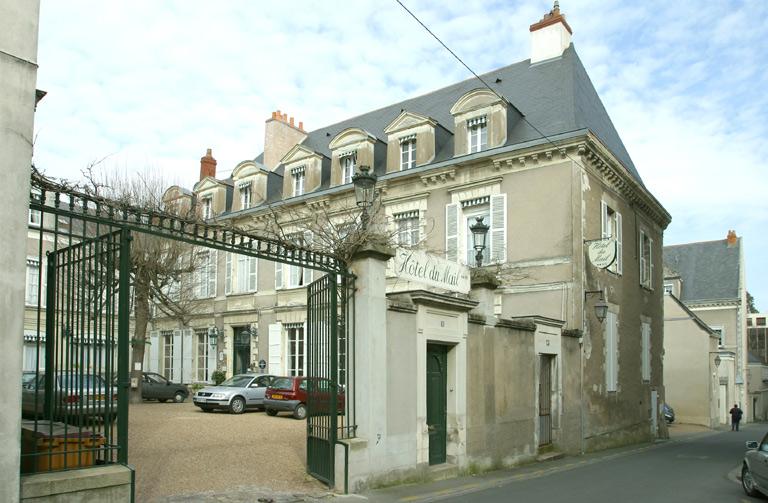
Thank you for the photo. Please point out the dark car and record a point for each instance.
(289, 394)
(754, 469)
(236, 394)
(74, 395)
(668, 413)
(156, 387)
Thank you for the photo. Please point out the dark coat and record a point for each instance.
(736, 414)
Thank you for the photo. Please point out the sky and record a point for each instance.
(149, 85)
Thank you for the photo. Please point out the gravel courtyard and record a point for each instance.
(177, 449)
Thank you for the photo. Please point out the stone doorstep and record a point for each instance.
(442, 472)
(39, 485)
(549, 456)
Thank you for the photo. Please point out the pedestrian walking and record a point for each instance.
(736, 414)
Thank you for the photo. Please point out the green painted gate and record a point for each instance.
(437, 383)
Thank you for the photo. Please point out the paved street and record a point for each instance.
(693, 467)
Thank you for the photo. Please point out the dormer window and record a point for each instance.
(207, 210)
(477, 134)
(299, 178)
(245, 194)
(408, 152)
(348, 160)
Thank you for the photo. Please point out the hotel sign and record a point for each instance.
(421, 267)
(602, 253)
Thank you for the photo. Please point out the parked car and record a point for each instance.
(289, 394)
(754, 469)
(668, 413)
(75, 395)
(236, 394)
(157, 387)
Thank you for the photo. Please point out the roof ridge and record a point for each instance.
(698, 242)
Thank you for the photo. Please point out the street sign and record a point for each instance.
(602, 253)
(429, 269)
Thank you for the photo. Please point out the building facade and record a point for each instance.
(443, 160)
(757, 375)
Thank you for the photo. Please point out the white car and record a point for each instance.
(754, 471)
(236, 394)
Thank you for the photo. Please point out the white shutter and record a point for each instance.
(241, 281)
(212, 365)
(650, 263)
(176, 360)
(278, 275)
(452, 232)
(252, 275)
(276, 349)
(641, 251)
(604, 231)
(212, 273)
(646, 351)
(186, 354)
(154, 351)
(228, 274)
(619, 232)
(498, 229)
(611, 367)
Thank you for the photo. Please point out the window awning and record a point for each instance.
(298, 170)
(406, 215)
(407, 138)
(476, 201)
(477, 121)
(243, 184)
(348, 153)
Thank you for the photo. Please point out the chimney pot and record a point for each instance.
(301, 125)
(732, 237)
(550, 36)
(207, 165)
(291, 122)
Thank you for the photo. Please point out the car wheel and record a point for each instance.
(300, 412)
(271, 412)
(162, 400)
(179, 397)
(748, 482)
(237, 405)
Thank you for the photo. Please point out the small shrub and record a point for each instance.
(218, 376)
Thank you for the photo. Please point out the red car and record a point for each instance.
(289, 394)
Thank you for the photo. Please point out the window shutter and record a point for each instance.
(650, 262)
(252, 276)
(307, 271)
(641, 250)
(186, 353)
(154, 351)
(212, 273)
(278, 275)
(498, 228)
(228, 274)
(176, 357)
(452, 232)
(276, 349)
(646, 351)
(212, 359)
(611, 367)
(619, 248)
(604, 231)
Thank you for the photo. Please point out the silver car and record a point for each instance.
(74, 395)
(236, 394)
(754, 471)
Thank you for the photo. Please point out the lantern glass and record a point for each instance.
(365, 183)
(601, 310)
(479, 233)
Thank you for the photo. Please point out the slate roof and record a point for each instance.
(556, 96)
(709, 269)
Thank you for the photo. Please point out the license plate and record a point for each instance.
(277, 397)
(98, 397)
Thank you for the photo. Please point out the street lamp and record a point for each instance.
(479, 237)
(365, 184)
(717, 361)
(601, 307)
(213, 335)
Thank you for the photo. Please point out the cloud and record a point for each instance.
(156, 83)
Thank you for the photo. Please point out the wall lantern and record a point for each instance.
(479, 237)
(213, 335)
(717, 361)
(365, 184)
(601, 307)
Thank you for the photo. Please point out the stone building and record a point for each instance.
(529, 365)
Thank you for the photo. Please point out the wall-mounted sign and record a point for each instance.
(602, 253)
(421, 267)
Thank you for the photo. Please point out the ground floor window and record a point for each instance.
(296, 350)
(167, 354)
(202, 354)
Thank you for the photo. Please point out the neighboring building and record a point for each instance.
(757, 345)
(709, 279)
(443, 159)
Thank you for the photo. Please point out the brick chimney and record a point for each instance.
(550, 36)
(280, 135)
(732, 238)
(207, 165)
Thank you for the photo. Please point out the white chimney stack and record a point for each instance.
(550, 36)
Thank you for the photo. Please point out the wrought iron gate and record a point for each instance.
(545, 400)
(329, 407)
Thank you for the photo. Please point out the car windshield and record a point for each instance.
(282, 383)
(27, 377)
(237, 381)
(78, 381)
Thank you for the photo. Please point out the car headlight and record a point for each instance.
(218, 395)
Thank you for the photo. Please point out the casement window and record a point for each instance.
(206, 274)
(296, 349)
(645, 351)
(407, 227)
(299, 178)
(611, 333)
(720, 332)
(240, 274)
(33, 282)
(611, 224)
(35, 218)
(168, 355)
(207, 207)
(668, 288)
(293, 276)
(646, 260)
(459, 245)
(408, 152)
(203, 354)
(245, 194)
(477, 134)
(348, 161)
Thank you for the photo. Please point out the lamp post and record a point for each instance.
(601, 307)
(365, 184)
(213, 335)
(479, 237)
